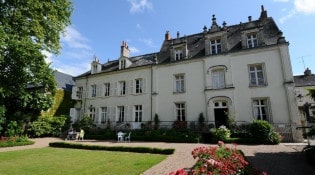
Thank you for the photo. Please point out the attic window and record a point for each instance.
(95, 68)
(178, 55)
(252, 40)
(215, 46)
(122, 64)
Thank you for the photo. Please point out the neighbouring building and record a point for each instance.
(240, 71)
(306, 104)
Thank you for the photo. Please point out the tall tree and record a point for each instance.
(27, 29)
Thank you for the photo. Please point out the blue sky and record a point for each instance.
(99, 27)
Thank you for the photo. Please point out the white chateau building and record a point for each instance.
(240, 71)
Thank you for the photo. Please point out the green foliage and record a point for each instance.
(156, 121)
(61, 104)
(263, 132)
(86, 123)
(47, 126)
(221, 133)
(112, 148)
(2, 117)
(311, 92)
(13, 129)
(201, 121)
(16, 141)
(27, 30)
(179, 125)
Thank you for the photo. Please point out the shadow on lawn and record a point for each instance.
(282, 163)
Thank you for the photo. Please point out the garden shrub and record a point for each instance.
(47, 126)
(222, 133)
(13, 129)
(112, 148)
(263, 133)
(218, 160)
(15, 141)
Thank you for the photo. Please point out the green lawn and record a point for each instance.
(54, 161)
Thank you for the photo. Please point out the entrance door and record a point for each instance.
(220, 113)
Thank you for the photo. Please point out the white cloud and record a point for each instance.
(74, 70)
(140, 5)
(290, 14)
(74, 39)
(148, 42)
(134, 50)
(305, 6)
(48, 56)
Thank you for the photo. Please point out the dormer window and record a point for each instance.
(95, 68)
(215, 46)
(178, 55)
(252, 41)
(122, 64)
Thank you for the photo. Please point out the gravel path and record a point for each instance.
(282, 159)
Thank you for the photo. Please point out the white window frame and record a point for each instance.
(92, 114)
(104, 114)
(178, 55)
(121, 114)
(122, 64)
(122, 88)
(138, 113)
(93, 88)
(139, 86)
(255, 73)
(106, 89)
(261, 109)
(179, 83)
(80, 92)
(218, 78)
(180, 111)
(215, 46)
(252, 40)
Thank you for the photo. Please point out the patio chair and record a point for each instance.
(81, 135)
(120, 136)
(127, 138)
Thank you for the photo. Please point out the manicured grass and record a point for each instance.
(54, 161)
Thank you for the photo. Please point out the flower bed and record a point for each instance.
(218, 160)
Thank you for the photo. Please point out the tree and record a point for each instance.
(27, 29)
(311, 93)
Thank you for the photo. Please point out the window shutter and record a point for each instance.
(74, 93)
(98, 90)
(115, 91)
(126, 113)
(144, 85)
(131, 87)
(126, 87)
(96, 121)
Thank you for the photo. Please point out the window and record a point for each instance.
(179, 83)
(122, 64)
(122, 88)
(218, 81)
(80, 92)
(138, 113)
(260, 107)
(104, 114)
(215, 46)
(139, 86)
(106, 89)
(121, 114)
(178, 55)
(252, 41)
(93, 90)
(95, 68)
(256, 75)
(92, 114)
(180, 111)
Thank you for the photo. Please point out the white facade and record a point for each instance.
(214, 73)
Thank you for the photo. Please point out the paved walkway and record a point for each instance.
(282, 159)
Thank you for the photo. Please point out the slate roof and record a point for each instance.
(64, 81)
(196, 42)
(307, 79)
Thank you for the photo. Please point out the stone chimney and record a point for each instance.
(263, 14)
(167, 36)
(124, 51)
(307, 72)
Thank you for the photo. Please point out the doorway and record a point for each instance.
(220, 113)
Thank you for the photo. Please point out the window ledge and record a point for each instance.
(179, 92)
